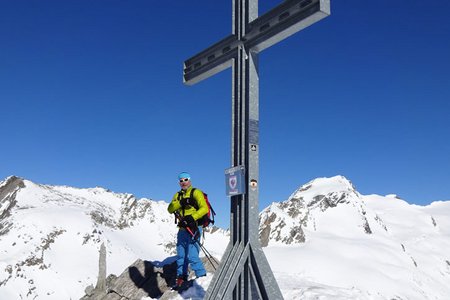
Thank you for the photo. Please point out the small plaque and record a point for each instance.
(253, 131)
(235, 181)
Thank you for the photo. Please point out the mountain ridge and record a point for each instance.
(53, 234)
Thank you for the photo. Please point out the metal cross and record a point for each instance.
(244, 272)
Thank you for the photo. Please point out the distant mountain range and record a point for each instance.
(327, 240)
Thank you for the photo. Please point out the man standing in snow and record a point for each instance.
(189, 205)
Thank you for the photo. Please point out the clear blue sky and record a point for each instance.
(91, 94)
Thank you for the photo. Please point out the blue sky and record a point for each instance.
(91, 94)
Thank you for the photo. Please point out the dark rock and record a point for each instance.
(8, 200)
(141, 279)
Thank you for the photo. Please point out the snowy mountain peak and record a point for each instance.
(38, 221)
(325, 192)
(334, 182)
(50, 236)
(286, 222)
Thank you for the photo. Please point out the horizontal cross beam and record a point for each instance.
(274, 26)
(283, 21)
(210, 61)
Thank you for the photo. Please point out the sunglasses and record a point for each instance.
(184, 180)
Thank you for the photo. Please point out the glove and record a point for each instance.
(189, 222)
(185, 202)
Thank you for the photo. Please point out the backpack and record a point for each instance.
(208, 218)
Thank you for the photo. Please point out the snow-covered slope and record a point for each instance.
(327, 241)
(50, 237)
(310, 206)
(369, 247)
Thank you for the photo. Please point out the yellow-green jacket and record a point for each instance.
(189, 210)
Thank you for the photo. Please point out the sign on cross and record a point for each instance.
(244, 272)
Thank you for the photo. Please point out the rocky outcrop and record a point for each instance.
(8, 192)
(140, 279)
(101, 280)
(133, 210)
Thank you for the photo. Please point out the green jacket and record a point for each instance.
(189, 210)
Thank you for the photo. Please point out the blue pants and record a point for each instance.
(187, 253)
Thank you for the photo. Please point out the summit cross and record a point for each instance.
(244, 272)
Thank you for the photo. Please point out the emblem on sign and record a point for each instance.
(232, 181)
(235, 180)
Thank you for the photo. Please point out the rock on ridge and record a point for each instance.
(141, 279)
(8, 191)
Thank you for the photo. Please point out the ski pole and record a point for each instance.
(207, 254)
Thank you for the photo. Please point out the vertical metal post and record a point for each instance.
(244, 272)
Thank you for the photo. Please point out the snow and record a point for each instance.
(52, 250)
